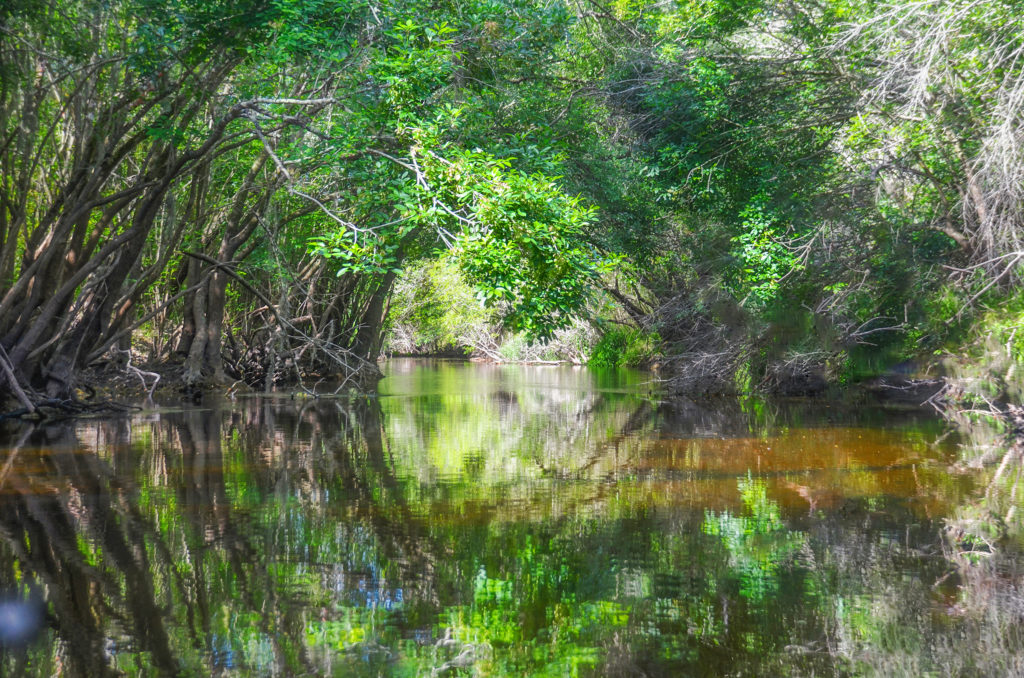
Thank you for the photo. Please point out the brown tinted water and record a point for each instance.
(481, 520)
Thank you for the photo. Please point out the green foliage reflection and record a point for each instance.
(757, 542)
(471, 520)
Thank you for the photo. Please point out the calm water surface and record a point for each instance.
(483, 520)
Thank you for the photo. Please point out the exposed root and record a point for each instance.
(38, 407)
(12, 381)
(58, 408)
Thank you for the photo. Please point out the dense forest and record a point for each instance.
(756, 195)
(797, 197)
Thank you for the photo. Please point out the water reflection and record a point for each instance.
(479, 519)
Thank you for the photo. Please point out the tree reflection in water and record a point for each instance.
(478, 521)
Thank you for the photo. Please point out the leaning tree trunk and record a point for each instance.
(205, 362)
(368, 337)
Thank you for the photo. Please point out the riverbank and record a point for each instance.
(131, 381)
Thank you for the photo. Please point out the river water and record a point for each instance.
(478, 519)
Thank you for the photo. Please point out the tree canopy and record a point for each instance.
(772, 193)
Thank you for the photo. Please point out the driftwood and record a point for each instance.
(141, 374)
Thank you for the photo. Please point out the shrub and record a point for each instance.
(625, 347)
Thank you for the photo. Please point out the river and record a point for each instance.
(499, 520)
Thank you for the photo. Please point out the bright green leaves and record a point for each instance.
(353, 254)
(405, 187)
(434, 309)
(710, 82)
(518, 237)
(521, 240)
(415, 69)
(322, 30)
(763, 258)
(169, 33)
(705, 19)
(625, 347)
